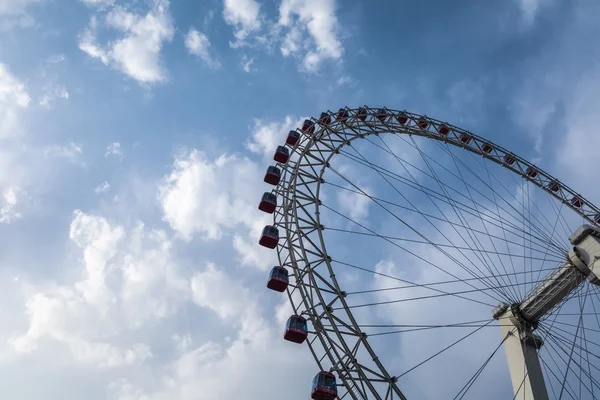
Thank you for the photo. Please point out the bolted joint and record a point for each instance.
(530, 339)
(499, 310)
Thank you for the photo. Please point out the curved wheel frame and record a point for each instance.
(299, 216)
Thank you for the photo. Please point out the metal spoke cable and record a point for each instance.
(443, 245)
(411, 252)
(444, 349)
(540, 249)
(501, 292)
(463, 206)
(427, 286)
(471, 381)
(474, 238)
(418, 233)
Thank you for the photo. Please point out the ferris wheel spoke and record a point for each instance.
(541, 250)
(400, 239)
(443, 350)
(489, 215)
(521, 214)
(446, 149)
(464, 390)
(425, 260)
(410, 284)
(474, 238)
(424, 285)
(556, 343)
(481, 258)
(456, 261)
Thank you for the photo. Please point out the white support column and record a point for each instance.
(521, 348)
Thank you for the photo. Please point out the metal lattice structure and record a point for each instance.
(336, 340)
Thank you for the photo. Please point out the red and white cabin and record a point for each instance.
(268, 203)
(269, 237)
(273, 175)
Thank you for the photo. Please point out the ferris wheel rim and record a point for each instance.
(475, 144)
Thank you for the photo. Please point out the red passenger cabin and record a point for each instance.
(292, 138)
(423, 123)
(308, 127)
(444, 130)
(278, 279)
(508, 159)
(487, 148)
(273, 175)
(577, 202)
(324, 119)
(269, 237)
(324, 386)
(342, 114)
(465, 138)
(268, 203)
(531, 172)
(362, 113)
(554, 186)
(402, 118)
(381, 115)
(296, 329)
(282, 154)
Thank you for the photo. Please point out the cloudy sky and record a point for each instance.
(134, 136)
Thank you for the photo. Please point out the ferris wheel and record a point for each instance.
(423, 261)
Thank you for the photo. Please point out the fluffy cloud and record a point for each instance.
(9, 212)
(113, 149)
(124, 284)
(53, 93)
(217, 197)
(137, 52)
(13, 97)
(198, 45)
(71, 151)
(102, 188)
(317, 17)
(267, 136)
(244, 15)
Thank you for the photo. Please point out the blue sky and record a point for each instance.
(134, 136)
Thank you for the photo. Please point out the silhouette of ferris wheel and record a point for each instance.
(420, 251)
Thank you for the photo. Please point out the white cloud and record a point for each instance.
(128, 280)
(137, 53)
(98, 4)
(12, 7)
(54, 93)
(208, 196)
(71, 151)
(113, 149)
(247, 63)
(346, 80)
(267, 136)
(56, 58)
(102, 188)
(244, 15)
(529, 9)
(8, 212)
(212, 289)
(198, 45)
(317, 17)
(13, 97)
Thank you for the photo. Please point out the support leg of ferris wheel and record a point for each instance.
(519, 321)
